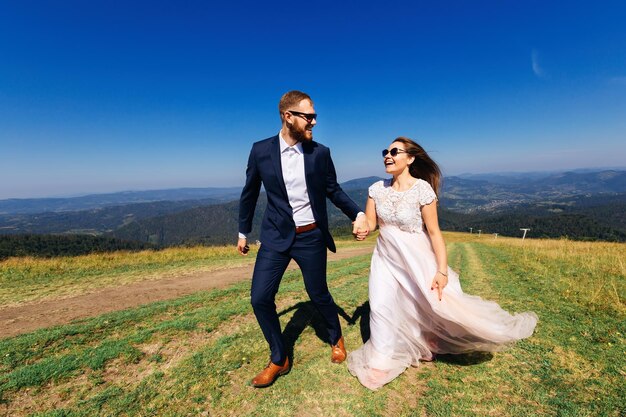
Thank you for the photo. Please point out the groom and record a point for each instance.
(298, 174)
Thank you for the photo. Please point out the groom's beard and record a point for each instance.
(300, 135)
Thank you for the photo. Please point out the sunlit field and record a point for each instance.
(195, 355)
(27, 279)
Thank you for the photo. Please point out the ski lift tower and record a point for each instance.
(525, 230)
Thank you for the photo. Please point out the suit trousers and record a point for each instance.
(309, 252)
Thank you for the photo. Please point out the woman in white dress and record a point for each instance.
(418, 308)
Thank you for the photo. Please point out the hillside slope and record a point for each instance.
(195, 355)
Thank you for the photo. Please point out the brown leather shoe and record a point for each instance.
(338, 352)
(267, 376)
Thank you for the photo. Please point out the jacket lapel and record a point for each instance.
(309, 168)
(307, 149)
(275, 157)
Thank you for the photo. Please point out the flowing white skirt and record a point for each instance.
(408, 323)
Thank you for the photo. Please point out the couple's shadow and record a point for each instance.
(307, 315)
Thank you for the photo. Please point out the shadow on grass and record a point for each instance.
(362, 314)
(307, 315)
(466, 359)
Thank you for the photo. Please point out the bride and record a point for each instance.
(418, 308)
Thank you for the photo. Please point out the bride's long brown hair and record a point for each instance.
(423, 167)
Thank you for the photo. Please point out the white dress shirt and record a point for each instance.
(292, 164)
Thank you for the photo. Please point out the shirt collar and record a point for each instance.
(284, 146)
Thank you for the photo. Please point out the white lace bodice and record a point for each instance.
(401, 208)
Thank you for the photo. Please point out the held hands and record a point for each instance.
(360, 228)
(242, 246)
(439, 282)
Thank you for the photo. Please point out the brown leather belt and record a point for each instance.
(305, 228)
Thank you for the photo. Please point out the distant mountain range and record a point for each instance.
(96, 220)
(576, 204)
(95, 201)
(506, 177)
(497, 192)
(581, 218)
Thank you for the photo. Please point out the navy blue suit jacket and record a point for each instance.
(278, 229)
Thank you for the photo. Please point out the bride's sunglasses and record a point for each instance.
(393, 152)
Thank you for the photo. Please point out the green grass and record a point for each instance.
(28, 279)
(195, 355)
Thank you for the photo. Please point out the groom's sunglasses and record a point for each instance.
(309, 117)
(392, 152)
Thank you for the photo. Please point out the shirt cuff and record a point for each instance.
(242, 236)
(359, 215)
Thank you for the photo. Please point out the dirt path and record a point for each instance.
(29, 317)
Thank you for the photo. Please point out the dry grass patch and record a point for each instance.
(51, 396)
(27, 279)
(591, 273)
(414, 386)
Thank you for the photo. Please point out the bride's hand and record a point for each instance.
(440, 281)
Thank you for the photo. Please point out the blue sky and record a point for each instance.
(109, 96)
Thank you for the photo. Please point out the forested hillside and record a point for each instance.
(63, 245)
(582, 206)
(218, 224)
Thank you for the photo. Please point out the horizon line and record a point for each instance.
(138, 190)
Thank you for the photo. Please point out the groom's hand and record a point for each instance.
(242, 246)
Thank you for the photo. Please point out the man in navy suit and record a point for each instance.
(298, 175)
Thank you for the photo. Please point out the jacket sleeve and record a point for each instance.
(249, 195)
(334, 192)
